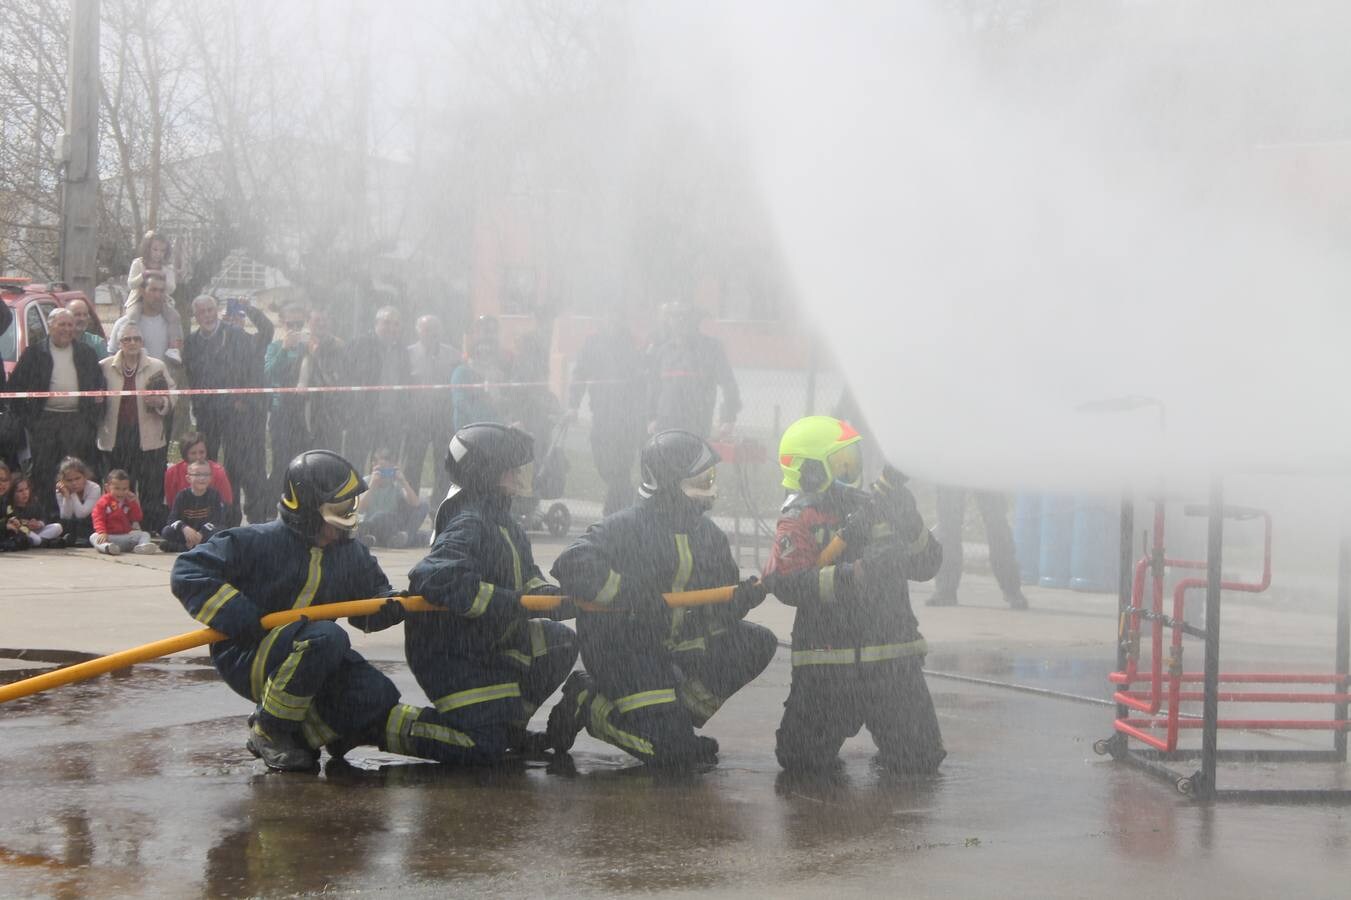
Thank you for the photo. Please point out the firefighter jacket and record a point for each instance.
(685, 375)
(240, 575)
(479, 566)
(851, 615)
(628, 560)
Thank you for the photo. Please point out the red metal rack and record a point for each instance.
(1152, 713)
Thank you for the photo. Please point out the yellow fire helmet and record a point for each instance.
(817, 451)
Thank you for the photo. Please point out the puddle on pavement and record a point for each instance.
(140, 784)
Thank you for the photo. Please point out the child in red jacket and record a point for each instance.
(117, 518)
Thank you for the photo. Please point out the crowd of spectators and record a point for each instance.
(95, 469)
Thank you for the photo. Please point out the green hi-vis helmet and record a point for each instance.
(818, 451)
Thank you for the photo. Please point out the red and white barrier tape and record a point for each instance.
(331, 389)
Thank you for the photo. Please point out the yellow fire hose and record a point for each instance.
(146, 652)
(543, 603)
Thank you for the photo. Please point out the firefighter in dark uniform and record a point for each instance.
(858, 654)
(486, 664)
(655, 673)
(311, 687)
(686, 369)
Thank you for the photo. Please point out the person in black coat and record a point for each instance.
(487, 663)
(655, 673)
(686, 369)
(11, 429)
(377, 417)
(220, 355)
(610, 368)
(58, 426)
(311, 688)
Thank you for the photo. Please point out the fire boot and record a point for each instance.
(567, 718)
(370, 737)
(529, 744)
(282, 751)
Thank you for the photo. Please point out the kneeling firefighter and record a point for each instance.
(312, 689)
(858, 654)
(654, 673)
(486, 664)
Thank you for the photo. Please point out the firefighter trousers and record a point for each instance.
(486, 701)
(826, 705)
(306, 677)
(648, 701)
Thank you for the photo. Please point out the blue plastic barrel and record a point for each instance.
(1027, 536)
(1057, 540)
(1094, 556)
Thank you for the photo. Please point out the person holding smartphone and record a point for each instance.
(391, 511)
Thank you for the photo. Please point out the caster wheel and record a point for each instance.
(1101, 748)
(1184, 786)
(558, 520)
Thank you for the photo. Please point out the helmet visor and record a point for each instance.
(846, 465)
(341, 515)
(702, 487)
(518, 482)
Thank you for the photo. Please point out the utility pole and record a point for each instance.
(79, 151)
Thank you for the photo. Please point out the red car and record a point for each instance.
(30, 304)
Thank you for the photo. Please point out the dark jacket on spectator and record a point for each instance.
(6, 317)
(686, 374)
(610, 366)
(34, 373)
(205, 513)
(366, 357)
(226, 358)
(366, 360)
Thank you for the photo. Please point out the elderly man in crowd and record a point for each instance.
(377, 417)
(220, 355)
(429, 422)
(58, 426)
(84, 319)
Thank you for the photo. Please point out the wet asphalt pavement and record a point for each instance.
(140, 785)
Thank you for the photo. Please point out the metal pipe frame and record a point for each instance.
(1201, 784)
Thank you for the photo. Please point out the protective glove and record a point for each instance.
(772, 583)
(648, 604)
(897, 504)
(748, 594)
(391, 613)
(858, 526)
(891, 477)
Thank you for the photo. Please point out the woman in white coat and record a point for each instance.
(132, 433)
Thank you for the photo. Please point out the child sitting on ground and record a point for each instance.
(23, 522)
(391, 510)
(4, 495)
(197, 512)
(192, 446)
(117, 518)
(10, 538)
(76, 494)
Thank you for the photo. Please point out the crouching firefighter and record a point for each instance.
(858, 654)
(655, 673)
(312, 689)
(486, 664)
